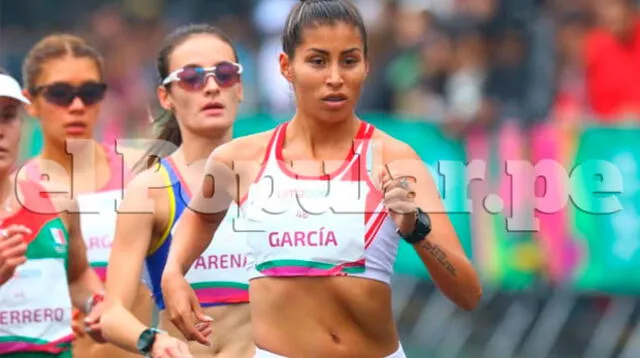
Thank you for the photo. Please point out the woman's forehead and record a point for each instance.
(8, 102)
(203, 50)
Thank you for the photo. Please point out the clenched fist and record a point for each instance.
(12, 250)
(399, 199)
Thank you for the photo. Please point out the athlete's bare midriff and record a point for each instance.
(323, 317)
(231, 337)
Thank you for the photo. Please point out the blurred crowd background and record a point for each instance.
(460, 80)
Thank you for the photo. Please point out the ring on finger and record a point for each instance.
(404, 183)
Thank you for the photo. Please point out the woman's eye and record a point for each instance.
(350, 61)
(9, 115)
(316, 61)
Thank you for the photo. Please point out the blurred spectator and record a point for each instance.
(416, 73)
(270, 17)
(541, 64)
(571, 100)
(464, 87)
(612, 58)
(377, 96)
(507, 79)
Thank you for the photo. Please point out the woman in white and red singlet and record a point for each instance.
(64, 80)
(325, 200)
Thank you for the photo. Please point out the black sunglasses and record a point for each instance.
(63, 94)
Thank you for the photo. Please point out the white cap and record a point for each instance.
(9, 87)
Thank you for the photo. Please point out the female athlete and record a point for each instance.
(325, 199)
(201, 90)
(64, 81)
(44, 269)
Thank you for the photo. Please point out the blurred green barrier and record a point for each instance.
(610, 261)
(507, 257)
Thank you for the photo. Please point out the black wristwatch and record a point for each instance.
(146, 340)
(420, 231)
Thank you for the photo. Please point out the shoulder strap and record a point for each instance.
(275, 143)
(179, 195)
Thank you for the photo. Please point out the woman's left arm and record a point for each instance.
(408, 185)
(85, 288)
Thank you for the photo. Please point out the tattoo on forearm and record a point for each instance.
(440, 256)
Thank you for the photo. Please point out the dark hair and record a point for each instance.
(312, 13)
(170, 131)
(54, 47)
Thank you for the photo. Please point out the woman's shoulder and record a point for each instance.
(249, 148)
(144, 190)
(40, 196)
(391, 148)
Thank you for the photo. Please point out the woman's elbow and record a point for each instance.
(471, 298)
(79, 274)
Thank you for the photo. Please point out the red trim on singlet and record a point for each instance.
(36, 209)
(287, 171)
(263, 165)
(375, 196)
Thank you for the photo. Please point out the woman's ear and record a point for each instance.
(164, 98)
(239, 92)
(30, 108)
(285, 67)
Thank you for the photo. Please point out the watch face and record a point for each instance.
(145, 340)
(426, 220)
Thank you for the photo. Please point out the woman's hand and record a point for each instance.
(92, 323)
(13, 250)
(76, 323)
(184, 309)
(166, 346)
(399, 199)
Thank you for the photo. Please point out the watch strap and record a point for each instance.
(146, 340)
(421, 229)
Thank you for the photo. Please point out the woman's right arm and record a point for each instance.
(134, 229)
(193, 235)
(12, 251)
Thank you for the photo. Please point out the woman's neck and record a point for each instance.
(8, 195)
(78, 155)
(320, 136)
(197, 148)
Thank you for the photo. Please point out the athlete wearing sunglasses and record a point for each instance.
(44, 268)
(194, 78)
(64, 81)
(198, 121)
(63, 94)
